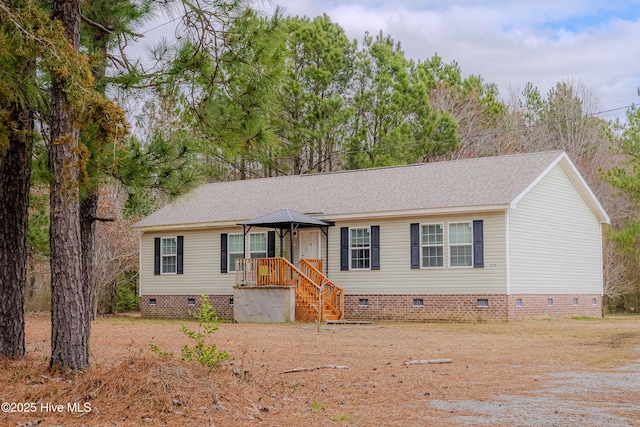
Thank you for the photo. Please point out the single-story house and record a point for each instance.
(494, 238)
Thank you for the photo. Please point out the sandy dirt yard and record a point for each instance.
(572, 372)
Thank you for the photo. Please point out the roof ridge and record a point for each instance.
(362, 170)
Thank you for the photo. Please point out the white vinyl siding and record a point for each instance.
(201, 266)
(396, 276)
(202, 274)
(554, 240)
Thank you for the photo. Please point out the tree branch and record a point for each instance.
(96, 25)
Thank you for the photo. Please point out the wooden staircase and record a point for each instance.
(317, 297)
(329, 296)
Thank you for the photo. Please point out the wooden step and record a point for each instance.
(330, 315)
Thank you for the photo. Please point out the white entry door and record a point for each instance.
(309, 241)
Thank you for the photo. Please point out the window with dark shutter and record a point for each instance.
(166, 255)
(223, 253)
(156, 256)
(478, 244)
(415, 245)
(344, 248)
(375, 247)
(180, 256)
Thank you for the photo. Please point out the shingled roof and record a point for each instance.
(479, 183)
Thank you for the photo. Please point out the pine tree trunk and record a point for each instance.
(15, 171)
(88, 213)
(69, 319)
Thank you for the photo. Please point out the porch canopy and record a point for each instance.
(288, 221)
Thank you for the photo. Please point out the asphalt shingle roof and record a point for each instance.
(441, 185)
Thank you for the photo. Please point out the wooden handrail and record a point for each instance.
(278, 272)
(315, 263)
(332, 295)
(311, 285)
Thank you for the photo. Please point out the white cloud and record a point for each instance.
(510, 44)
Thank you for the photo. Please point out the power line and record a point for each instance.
(161, 25)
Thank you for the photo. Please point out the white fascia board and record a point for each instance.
(196, 226)
(584, 188)
(330, 217)
(414, 212)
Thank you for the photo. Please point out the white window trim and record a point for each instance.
(162, 256)
(266, 241)
(449, 245)
(351, 249)
(422, 246)
(231, 266)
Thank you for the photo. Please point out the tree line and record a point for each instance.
(239, 95)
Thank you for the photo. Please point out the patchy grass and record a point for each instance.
(586, 318)
(129, 385)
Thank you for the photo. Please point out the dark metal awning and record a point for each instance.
(284, 218)
(288, 221)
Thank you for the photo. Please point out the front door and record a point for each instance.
(309, 244)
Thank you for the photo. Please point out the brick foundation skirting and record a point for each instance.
(469, 307)
(528, 306)
(179, 306)
(408, 307)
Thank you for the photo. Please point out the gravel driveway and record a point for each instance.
(608, 398)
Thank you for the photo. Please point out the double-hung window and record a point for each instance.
(235, 245)
(432, 244)
(360, 248)
(258, 245)
(169, 255)
(461, 244)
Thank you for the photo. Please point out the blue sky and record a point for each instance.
(593, 43)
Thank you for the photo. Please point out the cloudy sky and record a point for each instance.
(508, 42)
(594, 43)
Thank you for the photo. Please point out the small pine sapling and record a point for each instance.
(203, 353)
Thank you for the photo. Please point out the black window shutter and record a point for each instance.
(415, 245)
(478, 244)
(344, 248)
(156, 256)
(375, 247)
(180, 256)
(271, 244)
(223, 253)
